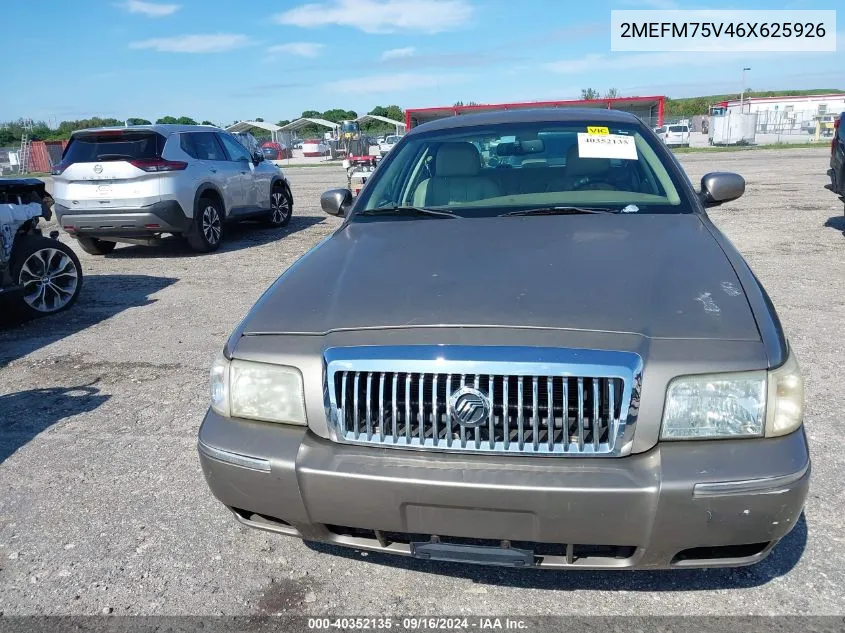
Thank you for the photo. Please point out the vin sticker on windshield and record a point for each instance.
(606, 146)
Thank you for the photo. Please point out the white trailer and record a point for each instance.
(731, 127)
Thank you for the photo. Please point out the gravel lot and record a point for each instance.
(103, 504)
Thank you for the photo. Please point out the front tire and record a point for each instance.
(206, 232)
(281, 208)
(50, 274)
(93, 246)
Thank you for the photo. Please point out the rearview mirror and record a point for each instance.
(257, 157)
(720, 186)
(336, 202)
(518, 148)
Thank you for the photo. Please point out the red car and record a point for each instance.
(274, 151)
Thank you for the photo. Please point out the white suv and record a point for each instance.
(133, 184)
(674, 135)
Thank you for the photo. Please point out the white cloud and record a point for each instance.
(393, 83)
(396, 53)
(211, 43)
(300, 49)
(382, 16)
(150, 9)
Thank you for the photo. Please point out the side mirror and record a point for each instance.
(720, 186)
(336, 202)
(257, 157)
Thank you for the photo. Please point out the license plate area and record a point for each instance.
(473, 554)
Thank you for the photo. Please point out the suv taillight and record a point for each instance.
(58, 169)
(836, 125)
(158, 164)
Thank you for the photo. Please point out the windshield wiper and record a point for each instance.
(409, 211)
(558, 211)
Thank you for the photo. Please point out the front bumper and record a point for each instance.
(681, 504)
(162, 217)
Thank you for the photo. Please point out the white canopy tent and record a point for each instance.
(286, 131)
(301, 123)
(400, 126)
(246, 126)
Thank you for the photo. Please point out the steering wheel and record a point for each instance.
(590, 180)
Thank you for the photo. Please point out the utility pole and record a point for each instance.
(742, 94)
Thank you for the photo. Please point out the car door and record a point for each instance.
(241, 160)
(221, 171)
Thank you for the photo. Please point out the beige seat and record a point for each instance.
(457, 178)
(586, 173)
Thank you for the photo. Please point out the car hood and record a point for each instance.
(661, 276)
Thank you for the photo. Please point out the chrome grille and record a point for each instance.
(577, 404)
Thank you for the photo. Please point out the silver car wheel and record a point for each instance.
(211, 225)
(280, 207)
(49, 279)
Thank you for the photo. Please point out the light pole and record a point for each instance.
(742, 94)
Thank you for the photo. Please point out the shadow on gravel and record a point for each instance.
(784, 557)
(237, 236)
(836, 222)
(102, 297)
(28, 413)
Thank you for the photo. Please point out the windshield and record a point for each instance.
(484, 171)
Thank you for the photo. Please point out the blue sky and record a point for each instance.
(224, 60)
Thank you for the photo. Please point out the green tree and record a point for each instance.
(207, 123)
(336, 115)
(282, 123)
(136, 121)
(588, 94)
(611, 93)
(165, 120)
(310, 114)
(393, 112)
(259, 119)
(185, 120)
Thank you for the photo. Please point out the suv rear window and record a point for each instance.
(678, 128)
(93, 147)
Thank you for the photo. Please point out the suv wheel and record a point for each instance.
(93, 246)
(281, 208)
(49, 272)
(207, 229)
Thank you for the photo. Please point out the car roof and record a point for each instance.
(165, 129)
(529, 115)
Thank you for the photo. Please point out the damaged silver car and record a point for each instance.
(38, 275)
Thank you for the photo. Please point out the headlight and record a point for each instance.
(257, 391)
(786, 398)
(220, 385)
(717, 405)
(741, 404)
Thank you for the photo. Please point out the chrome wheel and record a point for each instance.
(49, 279)
(211, 225)
(280, 207)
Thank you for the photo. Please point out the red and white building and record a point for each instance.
(789, 113)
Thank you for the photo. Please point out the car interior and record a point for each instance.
(460, 172)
